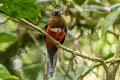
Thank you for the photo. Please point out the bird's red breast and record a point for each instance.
(59, 36)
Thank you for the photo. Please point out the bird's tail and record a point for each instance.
(51, 64)
(50, 72)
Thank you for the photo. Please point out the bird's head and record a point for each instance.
(56, 20)
(57, 12)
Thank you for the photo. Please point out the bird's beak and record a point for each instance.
(61, 12)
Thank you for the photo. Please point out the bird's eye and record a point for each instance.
(55, 13)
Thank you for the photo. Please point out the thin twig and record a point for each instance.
(94, 65)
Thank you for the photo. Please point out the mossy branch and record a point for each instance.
(60, 45)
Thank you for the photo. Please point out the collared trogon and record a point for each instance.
(56, 27)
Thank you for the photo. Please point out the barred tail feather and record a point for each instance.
(50, 72)
(51, 62)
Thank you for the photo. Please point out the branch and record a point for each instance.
(88, 71)
(113, 61)
(114, 67)
(4, 21)
(106, 70)
(58, 44)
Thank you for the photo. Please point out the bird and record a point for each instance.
(56, 27)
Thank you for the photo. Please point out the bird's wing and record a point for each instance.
(64, 36)
(44, 30)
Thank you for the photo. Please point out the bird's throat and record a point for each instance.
(56, 29)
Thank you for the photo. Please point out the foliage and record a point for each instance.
(5, 75)
(20, 8)
(6, 37)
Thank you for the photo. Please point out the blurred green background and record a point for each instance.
(93, 29)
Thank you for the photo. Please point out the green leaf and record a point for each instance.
(80, 2)
(20, 8)
(4, 74)
(111, 38)
(67, 56)
(105, 23)
(64, 1)
(13, 78)
(7, 37)
(110, 55)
